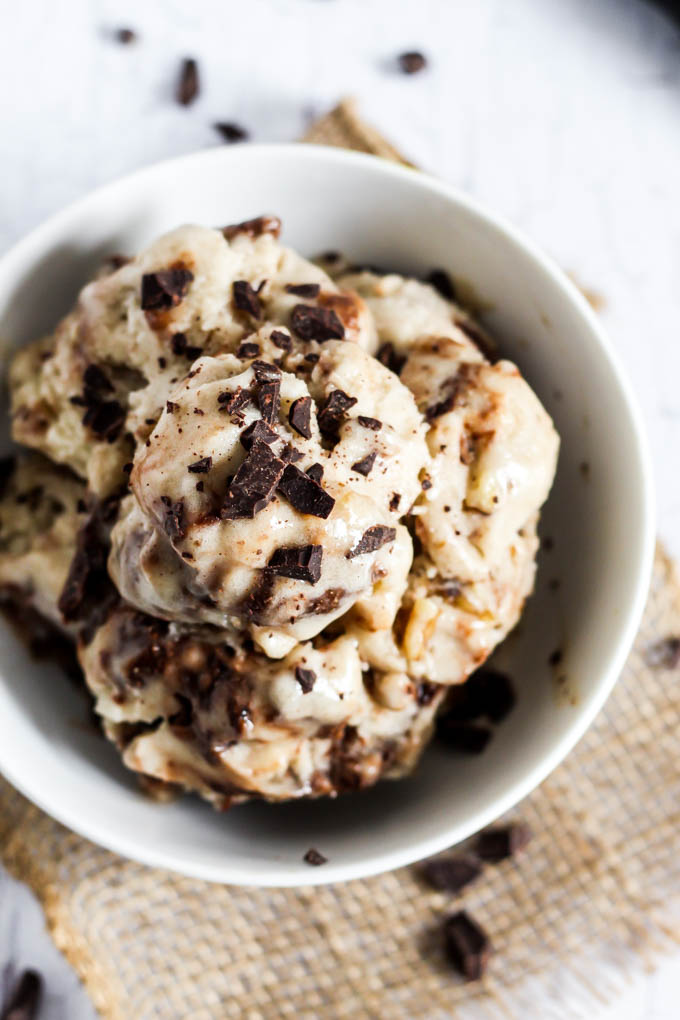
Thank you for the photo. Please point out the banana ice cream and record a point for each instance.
(279, 510)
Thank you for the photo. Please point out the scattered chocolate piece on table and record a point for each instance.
(125, 36)
(315, 858)
(451, 873)
(412, 62)
(188, 86)
(664, 654)
(502, 841)
(467, 945)
(231, 132)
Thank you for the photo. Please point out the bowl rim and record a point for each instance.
(32, 245)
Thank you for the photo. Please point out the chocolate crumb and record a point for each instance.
(188, 85)
(395, 500)
(387, 356)
(231, 132)
(170, 406)
(334, 412)
(369, 423)
(425, 693)
(311, 323)
(300, 416)
(303, 563)
(452, 873)
(183, 349)
(502, 841)
(425, 484)
(664, 654)
(306, 290)
(315, 472)
(125, 36)
(24, 1001)
(462, 737)
(281, 340)
(467, 946)
(306, 678)
(254, 228)
(200, 486)
(442, 283)
(254, 484)
(412, 62)
(173, 519)
(247, 349)
(304, 493)
(314, 858)
(200, 467)
(246, 299)
(165, 288)
(372, 539)
(312, 357)
(365, 465)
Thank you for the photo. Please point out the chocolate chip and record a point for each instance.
(664, 654)
(24, 1001)
(183, 349)
(300, 416)
(442, 283)
(247, 349)
(365, 465)
(395, 500)
(412, 62)
(281, 340)
(232, 402)
(125, 36)
(254, 484)
(259, 598)
(462, 737)
(290, 454)
(173, 519)
(314, 858)
(311, 323)
(502, 841)
(306, 678)
(312, 357)
(452, 388)
(372, 539)
(303, 563)
(315, 472)
(200, 467)
(265, 371)
(246, 299)
(95, 378)
(231, 132)
(467, 945)
(333, 412)
(387, 356)
(304, 494)
(188, 85)
(106, 419)
(425, 693)
(258, 430)
(369, 423)
(165, 288)
(306, 290)
(269, 400)
(452, 873)
(254, 228)
(87, 579)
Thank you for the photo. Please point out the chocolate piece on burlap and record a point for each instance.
(587, 902)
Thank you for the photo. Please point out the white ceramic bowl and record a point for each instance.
(602, 524)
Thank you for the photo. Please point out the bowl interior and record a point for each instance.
(598, 517)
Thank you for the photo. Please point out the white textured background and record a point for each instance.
(562, 114)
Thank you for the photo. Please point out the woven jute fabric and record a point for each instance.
(594, 897)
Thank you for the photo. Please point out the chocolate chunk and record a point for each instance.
(365, 465)
(254, 228)
(183, 349)
(304, 494)
(315, 472)
(106, 419)
(246, 299)
(95, 378)
(395, 500)
(233, 402)
(290, 454)
(369, 423)
(265, 371)
(255, 603)
(25, 999)
(372, 539)
(165, 288)
(467, 945)
(311, 323)
(258, 430)
(442, 282)
(452, 873)
(281, 340)
(247, 349)
(412, 62)
(303, 563)
(87, 581)
(306, 678)
(387, 356)
(312, 357)
(452, 388)
(664, 654)
(254, 484)
(170, 406)
(425, 693)
(425, 484)
(231, 132)
(188, 85)
(314, 858)
(502, 841)
(306, 290)
(200, 467)
(333, 412)
(173, 519)
(326, 603)
(200, 487)
(269, 400)
(462, 737)
(125, 36)
(300, 416)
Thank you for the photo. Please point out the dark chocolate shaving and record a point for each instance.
(303, 563)
(333, 412)
(306, 678)
(269, 400)
(306, 290)
(304, 494)
(372, 539)
(315, 472)
(233, 402)
(174, 523)
(254, 228)
(165, 288)
(231, 132)
(300, 416)
(387, 356)
(467, 946)
(311, 323)
(664, 654)
(200, 467)
(365, 465)
(314, 858)
(247, 349)
(369, 423)
(502, 841)
(246, 299)
(451, 874)
(258, 430)
(188, 85)
(265, 371)
(282, 340)
(254, 484)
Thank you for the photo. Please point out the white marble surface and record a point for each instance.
(562, 114)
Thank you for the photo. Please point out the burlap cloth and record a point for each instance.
(591, 900)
